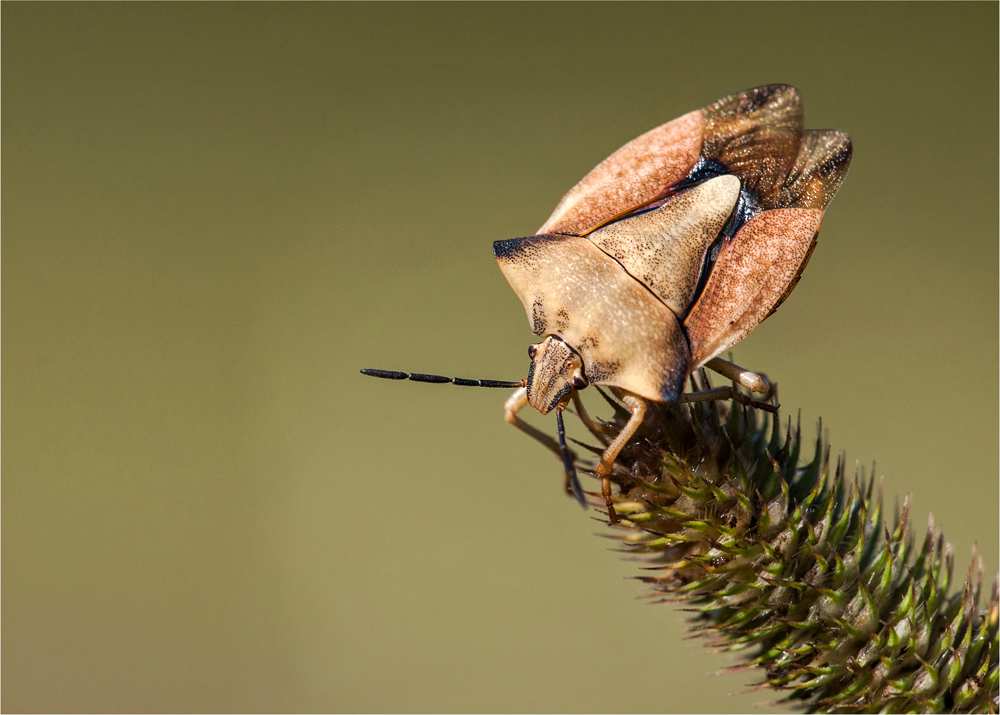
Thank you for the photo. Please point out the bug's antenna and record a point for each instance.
(439, 379)
(574, 483)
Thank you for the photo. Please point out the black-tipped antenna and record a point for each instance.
(574, 483)
(439, 379)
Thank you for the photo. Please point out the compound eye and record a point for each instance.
(532, 351)
(579, 382)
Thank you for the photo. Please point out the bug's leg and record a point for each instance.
(749, 380)
(727, 393)
(637, 406)
(595, 429)
(515, 403)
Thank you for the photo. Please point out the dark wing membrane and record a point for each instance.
(821, 166)
(756, 135)
(822, 163)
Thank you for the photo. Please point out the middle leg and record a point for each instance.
(637, 406)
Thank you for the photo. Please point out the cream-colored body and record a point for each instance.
(573, 290)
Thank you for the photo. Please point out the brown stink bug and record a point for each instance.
(669, 252)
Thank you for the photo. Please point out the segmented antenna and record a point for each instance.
(438, 379)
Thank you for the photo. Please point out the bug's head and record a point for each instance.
(556, 370)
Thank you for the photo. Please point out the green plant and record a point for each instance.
(793, 566)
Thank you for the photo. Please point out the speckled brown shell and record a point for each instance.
(615, 280)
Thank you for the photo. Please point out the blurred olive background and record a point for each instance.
(214, 215)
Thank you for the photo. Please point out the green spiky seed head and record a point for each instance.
(793, 566)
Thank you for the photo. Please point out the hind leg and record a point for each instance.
(727, 393)
(750, 380)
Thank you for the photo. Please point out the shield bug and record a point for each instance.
(667, 253)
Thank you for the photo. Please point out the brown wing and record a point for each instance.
(570, 288)
(635, 175)
(822, 163)
(756, 135)
(750, 277)
(758, 268)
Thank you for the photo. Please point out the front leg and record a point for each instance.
(517, 402)
(637, 406)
